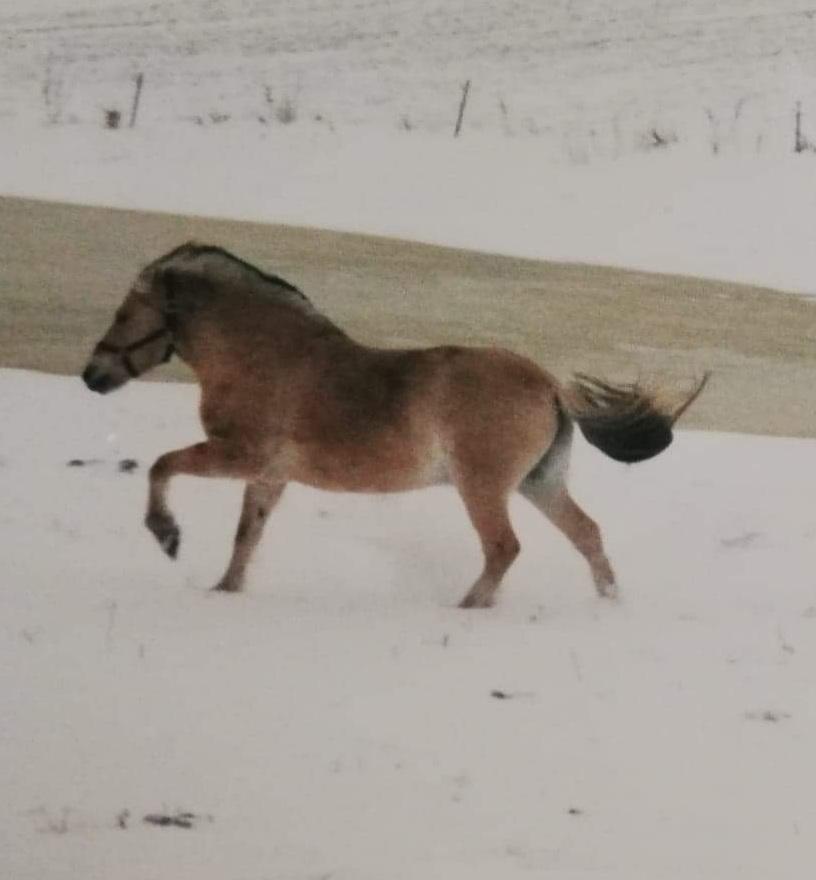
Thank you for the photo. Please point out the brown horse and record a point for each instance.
(286, 396)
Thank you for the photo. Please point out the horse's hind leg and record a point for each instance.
(208, 459)
(259, 499)
(488, 513)
(558, 506)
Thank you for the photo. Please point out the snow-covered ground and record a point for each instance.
(638, 133)
(585, 79)
(337, 720)
(746, 219)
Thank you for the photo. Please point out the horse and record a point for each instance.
(288, 396)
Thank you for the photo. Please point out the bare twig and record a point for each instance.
(179, 819)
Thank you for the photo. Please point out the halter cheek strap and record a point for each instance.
(168, 329)
(170, 306)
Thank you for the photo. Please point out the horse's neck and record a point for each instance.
(270, 337)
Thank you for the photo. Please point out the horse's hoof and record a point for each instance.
(476, 602)
(608, 591)
(170, 542)
(166, 532)
(223, 587)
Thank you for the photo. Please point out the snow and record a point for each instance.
(342, 719)
(745, 219)
(584, 78)
(341, 114)
(336, 720)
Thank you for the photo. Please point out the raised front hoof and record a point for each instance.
(166, 532)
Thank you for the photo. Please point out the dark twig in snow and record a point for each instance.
(767, 715)
(180, 819)
(510, 695)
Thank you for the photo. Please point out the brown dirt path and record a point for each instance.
(64, 269)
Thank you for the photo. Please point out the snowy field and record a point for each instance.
(584, 79)
(745, 219)
(338, 720)
(638, 133)
(342, 720)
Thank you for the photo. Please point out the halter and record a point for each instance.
(167, 329)
(125, 350)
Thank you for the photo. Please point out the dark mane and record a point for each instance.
(193, 249)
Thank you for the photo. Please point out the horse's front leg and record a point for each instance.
(259, 500)
(208, 459)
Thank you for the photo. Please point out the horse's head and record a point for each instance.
(139, 339)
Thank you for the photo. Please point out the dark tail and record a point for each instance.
(624, 421)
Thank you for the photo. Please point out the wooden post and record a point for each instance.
(465, 92)
(136, 96)
(799, 141)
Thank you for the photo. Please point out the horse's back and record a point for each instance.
(389, 420)
(371, 390)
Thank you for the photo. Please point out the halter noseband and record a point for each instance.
(125, 350)
(168, 329)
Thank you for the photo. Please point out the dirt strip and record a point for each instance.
(65, 268)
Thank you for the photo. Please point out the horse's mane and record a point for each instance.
(192, 249)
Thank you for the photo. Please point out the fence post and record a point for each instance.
(465, 92)
(136, 96)
(799, 143)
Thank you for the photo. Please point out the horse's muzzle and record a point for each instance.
(98, 380)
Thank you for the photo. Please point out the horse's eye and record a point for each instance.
(120, 319)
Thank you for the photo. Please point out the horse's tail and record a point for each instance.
(626, 422)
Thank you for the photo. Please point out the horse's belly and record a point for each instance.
(372, 468)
